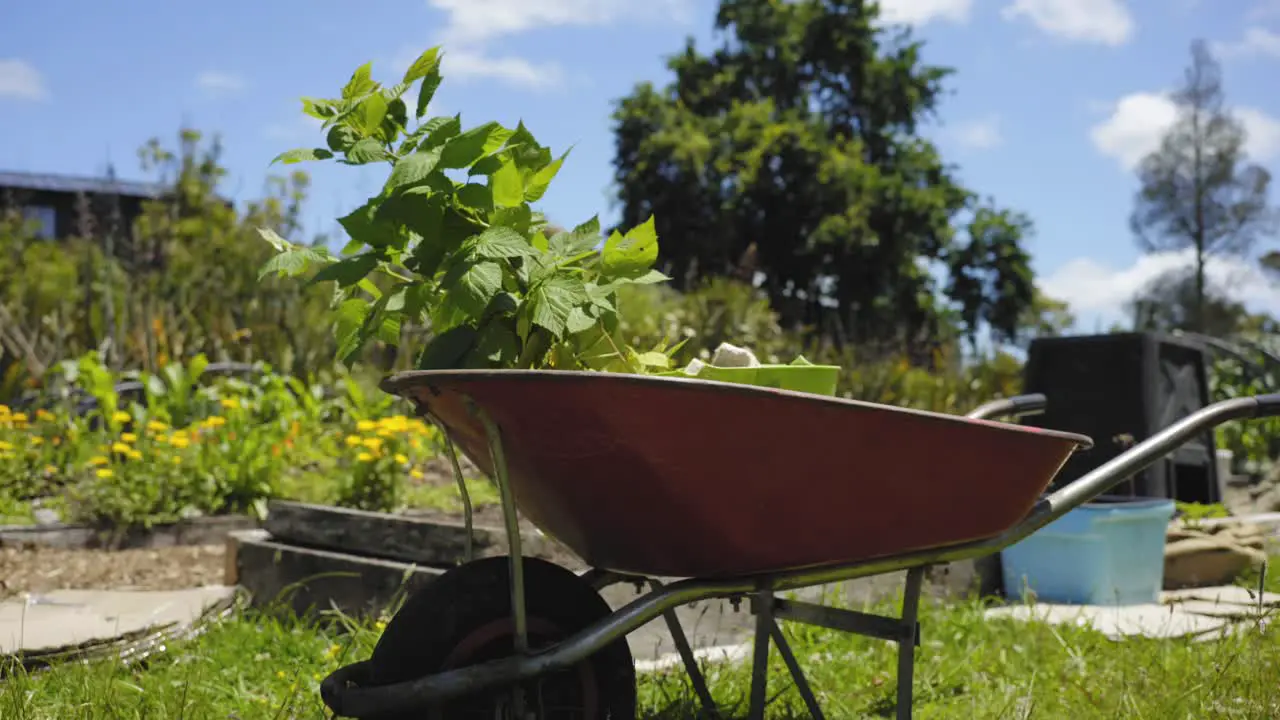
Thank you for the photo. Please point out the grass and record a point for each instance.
(257, 666)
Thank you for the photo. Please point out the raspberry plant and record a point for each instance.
(452, 241)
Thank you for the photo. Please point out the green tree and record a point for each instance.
(1198, 190)
(797, 138)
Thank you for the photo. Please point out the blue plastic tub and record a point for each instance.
(1107, 552)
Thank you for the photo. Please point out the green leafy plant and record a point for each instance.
(452, 243)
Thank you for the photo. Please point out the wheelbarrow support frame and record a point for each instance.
(662, 600)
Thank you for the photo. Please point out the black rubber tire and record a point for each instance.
(455, 607)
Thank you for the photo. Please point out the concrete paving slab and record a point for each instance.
(69, 618)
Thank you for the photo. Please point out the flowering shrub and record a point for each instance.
(238, 444)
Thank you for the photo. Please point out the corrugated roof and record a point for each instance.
(72, 184)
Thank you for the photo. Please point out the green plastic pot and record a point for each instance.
(799, 377)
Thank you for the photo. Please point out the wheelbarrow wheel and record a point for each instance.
(464, 618)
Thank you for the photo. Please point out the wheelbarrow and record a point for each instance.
(739, 492)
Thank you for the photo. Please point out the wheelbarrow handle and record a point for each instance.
(1144, 454)
(1011, 407)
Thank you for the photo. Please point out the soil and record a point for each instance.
(37, 569)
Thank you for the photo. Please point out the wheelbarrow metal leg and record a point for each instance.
(910, 638)
(689, 659)
(802, 683)
(760, 661)
(515, 553)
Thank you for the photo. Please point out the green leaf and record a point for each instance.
(476, 198)
(537, 186)
(362, 225)
(370, 113)
(653, 359)
(412, 169)
(470, 287)
(571, 244)
(351, 316)
(552, 300)
(319, 109)
(497, 344)
(444, 132)
(502, 242)
(631, 255)
(430, 83)
(367, 150)
(578, 321)
(518, 218)
(360, 83)
(346, 272)
(446, 350)
(298, 155)
(426, 62)
(590, 227)
(273, 239)
(341, 138)
(470, 146)
(508, 183)
(540, 241)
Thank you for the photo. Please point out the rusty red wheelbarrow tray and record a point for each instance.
(744, 492)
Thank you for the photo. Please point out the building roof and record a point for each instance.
(72, 184)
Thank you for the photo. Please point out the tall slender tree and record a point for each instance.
(1198, 189)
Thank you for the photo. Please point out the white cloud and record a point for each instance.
(1256, 41)
(982, 134)
(20, 80)
(1095, 290)
(919, 12)
(471, 27)
(468, 64)
(475, 21)
(1138, 121)
(219, 83)
(1107, 22)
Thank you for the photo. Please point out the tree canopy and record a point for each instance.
(791, 155)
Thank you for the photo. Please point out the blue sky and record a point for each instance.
(1052, 102)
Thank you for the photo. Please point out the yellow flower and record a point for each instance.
(372, 443)
(98, 460)
(366, 426)
(215, 421)
(105, 473)
(415, 474)
(156, 426)
(134, 455)
(280, 674)
(353, 440)
(49, 469)
(19, 418)
(121, 448)
(332, 652)
(45, 415)
(4, 410)
(37, 441)
(5, 446)
(402, 458)
(121, 416)
(364, 457)
(129, 437)
(230, 403)
(176, 460)
(180, 441)
(381, 625)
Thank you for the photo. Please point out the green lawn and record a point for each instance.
(254, 667)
